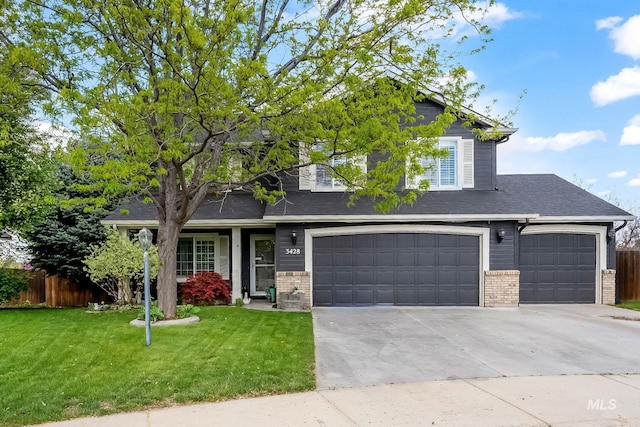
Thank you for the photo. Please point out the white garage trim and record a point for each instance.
(601, 244)
(482, 233)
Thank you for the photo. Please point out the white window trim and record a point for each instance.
(215, 237)
(414, 183)
(336, 186)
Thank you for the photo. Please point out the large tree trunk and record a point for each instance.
(168, 233)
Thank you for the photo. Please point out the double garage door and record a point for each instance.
(400, 269)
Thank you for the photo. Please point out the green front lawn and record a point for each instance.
(632, 305)
(65, 363)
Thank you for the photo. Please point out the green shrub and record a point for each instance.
(154, 313)
(205, 287)
(239, 302)
(12, 282)
(188, 310)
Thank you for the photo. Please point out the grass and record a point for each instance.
(64, 363)
(632, 305)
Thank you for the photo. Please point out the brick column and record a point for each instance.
(608, 287)
(501, 288)
(287, 281)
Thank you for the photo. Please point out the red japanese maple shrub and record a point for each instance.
(205, 288)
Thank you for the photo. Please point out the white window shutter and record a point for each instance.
(304, 172)
(223, 258)
(467, 163)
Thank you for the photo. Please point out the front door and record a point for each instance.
(263, 263)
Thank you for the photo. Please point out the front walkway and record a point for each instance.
(531, 401)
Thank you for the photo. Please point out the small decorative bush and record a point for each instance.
(188, 310)
(239, 302)
(154, 312)
(12, 282)
(205, 287)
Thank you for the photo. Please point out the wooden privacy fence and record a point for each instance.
(628, 275)
(35, 293)
(54, 291)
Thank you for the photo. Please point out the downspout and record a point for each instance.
(522, 227)
(624, 224)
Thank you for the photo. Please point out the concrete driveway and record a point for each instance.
(386, 345)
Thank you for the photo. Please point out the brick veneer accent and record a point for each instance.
(501, 288)
(608, 287)
(286, 281)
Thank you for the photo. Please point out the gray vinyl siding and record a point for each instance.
(502, 255)
(284, 261)
(484, 174)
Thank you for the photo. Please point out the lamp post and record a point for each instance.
(145, 237)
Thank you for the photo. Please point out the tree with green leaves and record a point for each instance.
(195, 97)
(115, 264)
(60, 244)
(26, 162)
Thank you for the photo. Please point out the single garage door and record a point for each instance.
(400, 269)
(557, 268)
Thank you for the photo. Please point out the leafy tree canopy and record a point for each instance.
(201, 96)
(61, 243)
(26, 161)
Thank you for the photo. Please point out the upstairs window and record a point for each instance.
(453, 172)
(320, 177)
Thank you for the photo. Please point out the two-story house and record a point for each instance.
(476, 238)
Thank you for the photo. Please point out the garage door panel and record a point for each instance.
(426, 258)
(364, 259)
(406, 277)
(343, 277)
(365, 296)
(323, 297)
(405, 295)
(407, 259)
(343, 296)
(363, 277)
(426, 277)
(557, 268)
(384, 259)
(405, 269)
(363, 241)
(384, 277)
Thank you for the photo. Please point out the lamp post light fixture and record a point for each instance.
(146, 237)
(294, 237)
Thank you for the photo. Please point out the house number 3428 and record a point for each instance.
(292, 251)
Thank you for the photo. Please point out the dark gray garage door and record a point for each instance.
(558, 268)
(401, 269)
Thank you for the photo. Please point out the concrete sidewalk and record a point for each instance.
(576, 400)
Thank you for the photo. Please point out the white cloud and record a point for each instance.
(591, 180)
(631, 133)
(57, 136)
(625, 37)
(499, 13)
(608, 23)
(635, 182)
(561, 142)
(617, 174)
(623, 85)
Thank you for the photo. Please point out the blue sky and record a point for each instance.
(579, 62)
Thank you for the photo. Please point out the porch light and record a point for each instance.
(500, 234)
(145, 237)
(294, 237)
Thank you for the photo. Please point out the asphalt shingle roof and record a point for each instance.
(545, 195)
